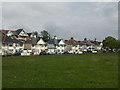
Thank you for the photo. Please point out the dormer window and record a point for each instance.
(22, 33)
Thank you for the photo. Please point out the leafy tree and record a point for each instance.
(118, 44)
(45, 35)
(36, 33)
(110, 42)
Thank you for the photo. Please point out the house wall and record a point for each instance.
(9, 33)
(39, 48)
(22, 38)
(51, 51)
(27, 46)
(75, 48)
(10, 48)
(68, 47)
(60, 49)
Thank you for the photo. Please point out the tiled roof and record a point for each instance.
(6, 31)
(89, 42)
(14, 32)
(54, 41)
(95, 42)
(8, 39)
(86, 42)
(18, 31)
(72, 42)
(32, 41)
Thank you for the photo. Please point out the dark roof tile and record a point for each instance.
(8, 39)
(54, 41)
(18, 31)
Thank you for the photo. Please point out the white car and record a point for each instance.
(26, 53)
(94, 51)
(71, 52)
(80, 52)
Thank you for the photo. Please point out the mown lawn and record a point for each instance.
(61, 71)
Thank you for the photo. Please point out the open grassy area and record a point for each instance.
(61, 71)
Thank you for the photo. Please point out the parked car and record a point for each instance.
(51, 53)
(17, 54)
(84, 51)
(80, 52)
(43, 53)
(118, 50)
(66, 52)
(94, 51)
(7, 54)
(89, 51)
(71, 52)
(25, 53)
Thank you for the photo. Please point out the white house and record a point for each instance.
(33, 35)
(61, 46)
(10, 45)
(39, 46)
(90, 45)
(10, 33)
(22, 35)
(72, 45)
(56, 46)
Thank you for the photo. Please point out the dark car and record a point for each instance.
(66, 52)
(17, 54)
(118, 50)
(43, 53)
(89, 51)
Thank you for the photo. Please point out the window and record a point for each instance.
(3, 44)
(10, 45)
(17, 45)
(10, 51)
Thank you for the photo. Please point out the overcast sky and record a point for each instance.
(65, 20)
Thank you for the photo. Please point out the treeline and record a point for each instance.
(111, 43)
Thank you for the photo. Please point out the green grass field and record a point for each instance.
(61, 71)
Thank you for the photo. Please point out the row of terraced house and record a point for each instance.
(30, 44)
